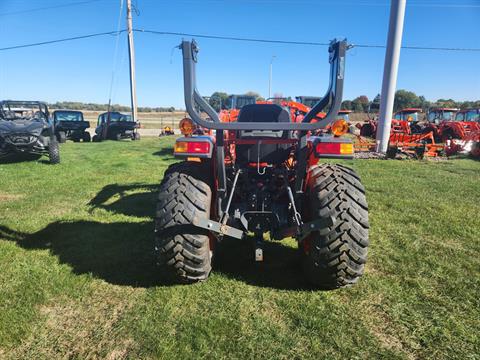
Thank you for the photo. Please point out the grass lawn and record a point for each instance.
(77, 274)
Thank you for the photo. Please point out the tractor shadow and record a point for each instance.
(119, 253)
(165, 152)
(136, 199)
(280, 269)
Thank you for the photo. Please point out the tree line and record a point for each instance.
(76, 105)
(405, 99)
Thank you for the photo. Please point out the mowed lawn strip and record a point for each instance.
(78, 280)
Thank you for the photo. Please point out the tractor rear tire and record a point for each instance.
(54, 152)
(182, 249)
(335, 255)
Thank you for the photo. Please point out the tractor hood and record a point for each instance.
(33, 127)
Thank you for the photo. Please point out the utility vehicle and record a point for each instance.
(114, 125)
(261, 174)
(25, 131)
(70, 125)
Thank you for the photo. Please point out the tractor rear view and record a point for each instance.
(262, 174)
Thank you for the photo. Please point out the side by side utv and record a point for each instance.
(261, 174)
(114, 125)
(26, 132)
(70, 125)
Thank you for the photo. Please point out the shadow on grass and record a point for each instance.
(165, 152)
(14, 159)
(122, 254)
(130, 202)
(119, 253)
(280, 269)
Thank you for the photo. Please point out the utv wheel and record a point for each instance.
(183, 250)
(335, 255)
(54, 152)
(86, 137)
(118, 136)
(61, 137)
(136, 136)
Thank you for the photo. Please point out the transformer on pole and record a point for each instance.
(390, 72)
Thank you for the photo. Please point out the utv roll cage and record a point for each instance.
(333, 97)
(10, 105)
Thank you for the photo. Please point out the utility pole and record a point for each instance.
(131, 56)
(270, 78)
(390, 72)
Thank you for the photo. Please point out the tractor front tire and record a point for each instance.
(182, 249)
(335, 255)
(54, 152)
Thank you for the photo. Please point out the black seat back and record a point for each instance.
(269, 153)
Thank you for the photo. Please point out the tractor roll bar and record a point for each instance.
(337, 51)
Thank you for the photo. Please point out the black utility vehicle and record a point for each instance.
(25, 131)
(116, 126)
(70, 125)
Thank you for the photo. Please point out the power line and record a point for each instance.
(272, 41)
(48, 7)
(219, 37)
(233, 38)
(348, 3)
(62, 40)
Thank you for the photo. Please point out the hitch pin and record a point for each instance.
(258, 160)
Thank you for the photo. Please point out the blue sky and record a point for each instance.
(81, 70)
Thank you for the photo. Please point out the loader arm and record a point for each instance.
(333, 97)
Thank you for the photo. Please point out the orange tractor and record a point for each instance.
(459, 130)
(449, 123)
(262, 173)
(407, 136)
(402, 120)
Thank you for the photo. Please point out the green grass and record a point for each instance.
(77, 275)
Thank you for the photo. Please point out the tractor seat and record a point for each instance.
(271, 113)
(269, 153)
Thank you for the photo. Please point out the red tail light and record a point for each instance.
(334, 148)
(192, 147)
